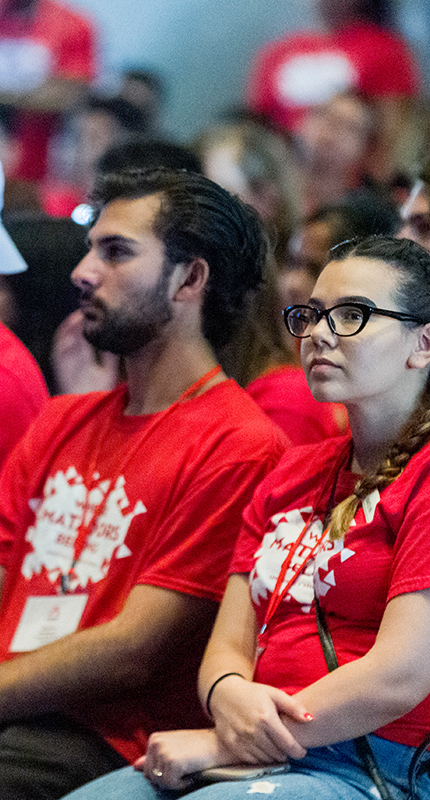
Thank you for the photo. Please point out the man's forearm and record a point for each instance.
(49, 679)
(117, 655)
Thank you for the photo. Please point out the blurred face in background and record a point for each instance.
(309, 246)
(335, 136)
(295, 286)
(307, 255)
(97, 131)
(222, 163)
(415, 214)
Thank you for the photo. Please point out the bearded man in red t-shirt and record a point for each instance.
(119, 510)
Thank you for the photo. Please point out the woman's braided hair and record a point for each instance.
(412, 297)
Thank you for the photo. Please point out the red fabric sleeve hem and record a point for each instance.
(407, 586)
(185, 587)
(241, 566)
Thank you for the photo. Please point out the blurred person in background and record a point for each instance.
(22, 388)
(259, 166)
(97, 125)
(337, 142)
(361, 213)
(415, 212)
(141, 152)
(146, 90)
(47, 61)
(355, 49)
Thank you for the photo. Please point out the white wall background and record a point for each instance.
(203, 48)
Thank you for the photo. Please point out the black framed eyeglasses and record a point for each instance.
(343, 319)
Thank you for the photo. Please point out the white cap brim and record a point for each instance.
(11, 260)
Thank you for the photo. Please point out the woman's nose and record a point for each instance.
(322, 332)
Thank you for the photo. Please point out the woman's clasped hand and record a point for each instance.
(249, 730)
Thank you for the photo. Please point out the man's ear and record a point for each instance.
(420, 356)
(192, 280)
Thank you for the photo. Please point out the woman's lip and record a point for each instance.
(322, 362)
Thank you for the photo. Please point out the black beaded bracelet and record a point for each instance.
(215, 683)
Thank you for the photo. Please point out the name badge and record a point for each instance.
(46, 619)
(369, 504)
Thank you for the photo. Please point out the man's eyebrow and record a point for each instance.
(353, 298)
(113, 239)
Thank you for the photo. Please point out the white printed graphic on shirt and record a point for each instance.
(24, 64)
(314, 78)
(274, 550)
(324, 576)
(369, 504)
(58, 517)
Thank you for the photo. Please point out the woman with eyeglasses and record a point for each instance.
(346, 522)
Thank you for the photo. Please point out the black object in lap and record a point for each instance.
(46, 757)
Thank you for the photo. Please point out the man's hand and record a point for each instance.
(77, 366)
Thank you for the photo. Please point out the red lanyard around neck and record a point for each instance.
(85, 529)
(278, 595)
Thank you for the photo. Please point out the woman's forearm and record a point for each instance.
(359, 697)
(215, 668)
(385, 684)
(347, 703)
(232, 645)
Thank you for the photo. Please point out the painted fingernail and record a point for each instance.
(308, 717)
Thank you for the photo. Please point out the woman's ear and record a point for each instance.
(192, 281)
(420, 356)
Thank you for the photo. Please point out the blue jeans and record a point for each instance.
(326, 773)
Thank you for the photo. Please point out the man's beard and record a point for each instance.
(127, 329)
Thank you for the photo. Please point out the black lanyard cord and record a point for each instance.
(362, 745)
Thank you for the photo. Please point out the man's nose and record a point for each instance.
(87, 272)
